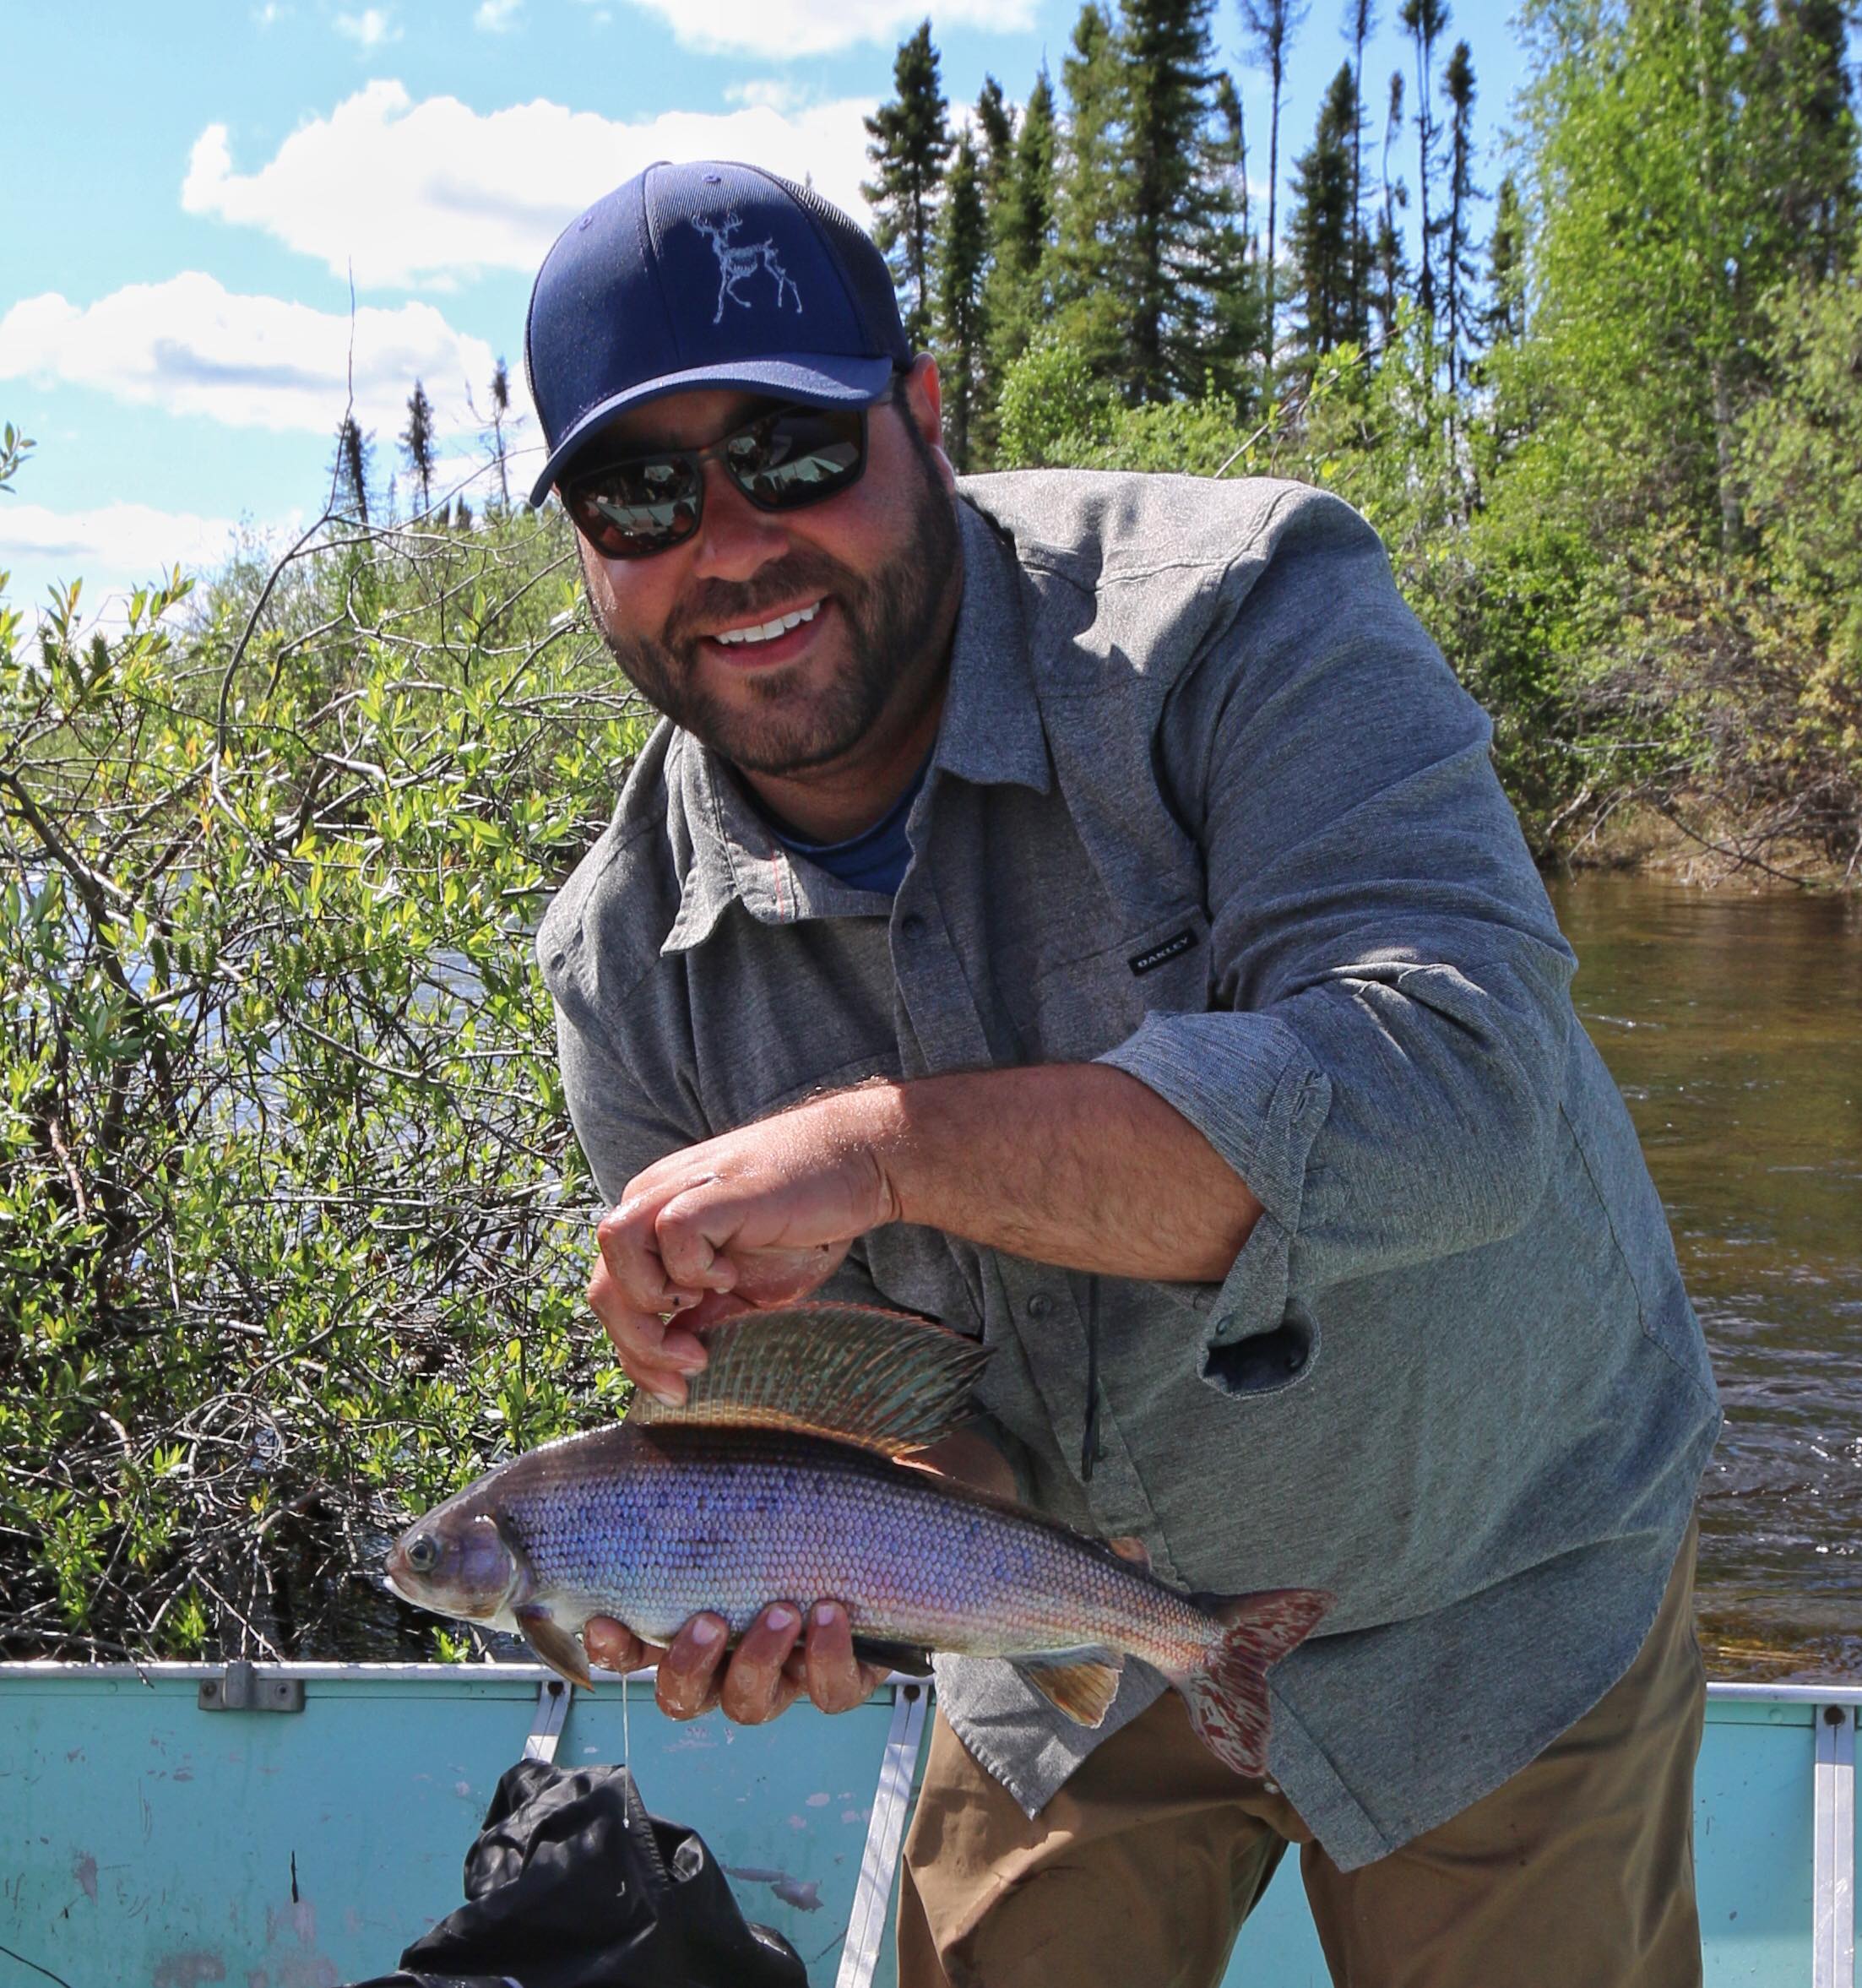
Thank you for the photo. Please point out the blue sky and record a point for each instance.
(186, 192)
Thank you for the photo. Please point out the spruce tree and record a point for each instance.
(501, 411)
(1091, 258)
(1322, 232)
(1505, 320)
(1427, 20)
(1360, 23)
(1175, 199)
(417, 442)
(964, 251)
(1015, 300)
(1460, 325)
(911, 141)
(996, 121)
(1271, 25)
(1387, 256)
(351, 471)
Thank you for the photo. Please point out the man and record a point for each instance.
(1081, 910)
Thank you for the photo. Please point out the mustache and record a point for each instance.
(715, 603)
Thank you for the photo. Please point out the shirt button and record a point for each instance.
(1039, 1305)
(911, 925)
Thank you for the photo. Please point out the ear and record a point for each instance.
(924, 409)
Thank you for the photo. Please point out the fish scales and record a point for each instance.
(776, 1479)
(651, 1525)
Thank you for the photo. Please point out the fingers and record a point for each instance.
(837, 1680)
(770, 1668)
(655, 1354)
(615, 1647)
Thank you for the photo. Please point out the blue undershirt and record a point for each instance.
(873, 860)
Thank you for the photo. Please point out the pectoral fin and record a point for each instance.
(1080, 1682)
(553, 1644)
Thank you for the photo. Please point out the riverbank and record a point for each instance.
(1691, 842)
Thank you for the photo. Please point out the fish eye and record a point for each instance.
(423, 1553)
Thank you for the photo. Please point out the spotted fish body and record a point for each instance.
(743, 1498)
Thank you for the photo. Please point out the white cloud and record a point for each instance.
(788, 29)
(494, 17)
(194, 348)
(766, 93)
(420, 193)
(112, 549)
(368, 30)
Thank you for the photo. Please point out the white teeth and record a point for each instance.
(769, 630)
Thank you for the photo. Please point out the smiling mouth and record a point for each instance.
(768, 631)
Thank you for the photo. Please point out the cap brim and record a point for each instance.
(817, 379)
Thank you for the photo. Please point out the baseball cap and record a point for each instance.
(705, 274)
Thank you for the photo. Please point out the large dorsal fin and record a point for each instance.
(880, 1379)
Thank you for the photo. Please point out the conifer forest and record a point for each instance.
(293, 1235)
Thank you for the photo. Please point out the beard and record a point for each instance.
(893, 622)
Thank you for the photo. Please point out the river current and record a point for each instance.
(1734, 1025)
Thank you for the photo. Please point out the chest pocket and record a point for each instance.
(1079, 1007)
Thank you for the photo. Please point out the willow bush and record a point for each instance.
(293, 1235)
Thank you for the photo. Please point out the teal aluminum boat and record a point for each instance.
(294, 1826)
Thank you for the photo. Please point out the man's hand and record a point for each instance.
(771, 1667)
(759, 1217)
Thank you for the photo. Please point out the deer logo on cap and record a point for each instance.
(738, 261)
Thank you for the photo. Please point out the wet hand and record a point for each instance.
(756, 1218)
(775, 1662)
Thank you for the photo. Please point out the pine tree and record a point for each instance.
(1271, 26)
(1460, 325)
(1505, 320)
(1015, 300)
(501, 410)
(1386, 254)
(996, 121)
(1360, 23)
(1427, 21)
(1174, 196)
(1322, 231)
(963, 256)
(1091, 257)
(911, 141)
(351, 472)
(417, 442)
(1807, 82)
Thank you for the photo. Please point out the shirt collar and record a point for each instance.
(991, 733)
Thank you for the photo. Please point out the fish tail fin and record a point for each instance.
(1227, 1692)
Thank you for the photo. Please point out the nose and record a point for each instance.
(734, 539)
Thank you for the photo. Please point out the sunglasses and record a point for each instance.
(782, 460)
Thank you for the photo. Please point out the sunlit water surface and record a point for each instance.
(1734, 1025)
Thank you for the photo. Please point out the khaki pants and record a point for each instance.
(1576, 1873)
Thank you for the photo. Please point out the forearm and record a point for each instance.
(1073, 1164)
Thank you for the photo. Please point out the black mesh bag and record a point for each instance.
(571, 1884)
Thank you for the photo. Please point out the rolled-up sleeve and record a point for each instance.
(1383, 1058)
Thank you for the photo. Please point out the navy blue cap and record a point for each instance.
(706, 274)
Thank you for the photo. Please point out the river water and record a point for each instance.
(1734, 1025)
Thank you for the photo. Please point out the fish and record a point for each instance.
(784, 1476)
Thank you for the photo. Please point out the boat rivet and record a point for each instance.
(911, 1694)
(1832, 1715)
(556, 1688)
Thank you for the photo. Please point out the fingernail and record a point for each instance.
(670, 1397)
(705, 1632)
(780, 1618)
(826, 1615)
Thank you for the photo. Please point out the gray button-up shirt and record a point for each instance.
(1208, 805)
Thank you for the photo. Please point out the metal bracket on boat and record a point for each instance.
(1832, 1929)
(240, 1688)
(892, 1798)
(552, 1707)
